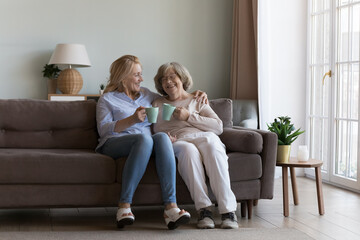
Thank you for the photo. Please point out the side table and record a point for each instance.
(292, 164)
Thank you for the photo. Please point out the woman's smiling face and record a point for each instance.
(171, 83)
(132, 82)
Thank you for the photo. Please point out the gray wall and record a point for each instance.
(196, 33)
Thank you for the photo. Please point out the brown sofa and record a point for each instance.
(47, 159)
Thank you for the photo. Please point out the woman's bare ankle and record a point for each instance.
(124, 205)
(170, 205)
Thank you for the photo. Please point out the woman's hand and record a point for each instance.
(201, 96)
(181, 113)
(172, 138)
(139, 114)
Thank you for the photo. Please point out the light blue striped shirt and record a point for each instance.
(114, 106)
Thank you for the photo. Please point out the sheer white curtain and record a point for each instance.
(264, 47)
(282, 61)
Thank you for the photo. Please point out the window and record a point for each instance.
(333, 88)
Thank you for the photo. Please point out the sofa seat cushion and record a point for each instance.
(55, 166)
(150, 176)
(244, 166)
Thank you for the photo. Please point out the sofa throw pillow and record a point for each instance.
(223, 108)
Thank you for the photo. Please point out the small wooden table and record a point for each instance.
(293, 163)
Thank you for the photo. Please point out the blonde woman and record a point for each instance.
(125, 132)
(194, 128)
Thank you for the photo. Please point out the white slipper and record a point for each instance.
(173, 218)
(124, 217)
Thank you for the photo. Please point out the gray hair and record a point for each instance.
(179, 69)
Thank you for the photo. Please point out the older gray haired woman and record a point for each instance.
(193, 130)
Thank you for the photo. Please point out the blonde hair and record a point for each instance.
(180, 71)
(119, 70)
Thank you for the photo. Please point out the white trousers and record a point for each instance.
(205, 149)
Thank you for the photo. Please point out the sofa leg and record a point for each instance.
(249, 207)
(243, 208)
(255, 202)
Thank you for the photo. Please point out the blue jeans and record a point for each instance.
(138, 149)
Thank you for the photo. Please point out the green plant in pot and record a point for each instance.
(286, 133)
(102, 88)
(51, 72)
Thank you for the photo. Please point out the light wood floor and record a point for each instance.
(341, 219)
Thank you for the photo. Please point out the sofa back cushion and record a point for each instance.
(26, 123)
(223, 108)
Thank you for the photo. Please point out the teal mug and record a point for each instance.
(152, 113)
(167, 111)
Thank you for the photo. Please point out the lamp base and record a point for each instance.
(69, 81)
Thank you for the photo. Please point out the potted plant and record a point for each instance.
(286, 133)
(51, 72)
(102, 87)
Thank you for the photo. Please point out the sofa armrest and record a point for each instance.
(268, 157)
(242, 140)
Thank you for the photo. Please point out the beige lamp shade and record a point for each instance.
(70, 54)
(70, 80)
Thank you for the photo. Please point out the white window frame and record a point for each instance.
(328, 174)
